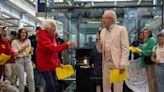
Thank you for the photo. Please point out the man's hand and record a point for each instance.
(97, 36)
(122, 70)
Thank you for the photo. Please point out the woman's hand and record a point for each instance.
(156, 62)
(25, 46)
(72, 43)
(15, 53)
(31, 50)
(139, 51)
(61, 65)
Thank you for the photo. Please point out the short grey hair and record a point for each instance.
(48, 23)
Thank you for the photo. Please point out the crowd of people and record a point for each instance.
(22, 49)
(45, 50)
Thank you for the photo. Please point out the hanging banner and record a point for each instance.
(137, 78)
(41, 8)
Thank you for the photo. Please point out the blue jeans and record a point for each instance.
(39, 81)
(51, 81)
(159, 70)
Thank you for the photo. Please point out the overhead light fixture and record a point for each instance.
(9, 24)
(6, 16)
(115, 3)
(139, 1)
(93, 4)
(1, 21)
(94, 22)
(69, 3)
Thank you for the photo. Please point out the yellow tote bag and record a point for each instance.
(115, 75)
(4, 58)
(64, 72)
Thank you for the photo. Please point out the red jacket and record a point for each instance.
(47, 51)
(6, 49)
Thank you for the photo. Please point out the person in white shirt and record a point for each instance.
(23, 60)
(158, 58)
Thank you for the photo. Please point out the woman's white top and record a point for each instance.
(17, 45)
(159, 53)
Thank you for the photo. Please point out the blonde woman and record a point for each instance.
(23, 60)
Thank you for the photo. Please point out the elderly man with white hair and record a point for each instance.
(47, 53)
(114, 44)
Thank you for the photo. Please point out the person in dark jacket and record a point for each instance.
(60, 54)
(95, 60)
(39, 81)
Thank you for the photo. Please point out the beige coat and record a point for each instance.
(114, 46)
(119, 49)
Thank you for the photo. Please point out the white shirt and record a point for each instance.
(17, 44)
(159, 51)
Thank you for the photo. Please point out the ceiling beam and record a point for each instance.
(88, 5)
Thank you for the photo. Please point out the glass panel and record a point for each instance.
(60, 4)
(81, 25)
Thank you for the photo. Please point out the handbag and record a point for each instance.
(147, 60)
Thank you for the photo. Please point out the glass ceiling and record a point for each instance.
(92, 0)
(102, 0)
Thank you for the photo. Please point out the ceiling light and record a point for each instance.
(93, 4)
(115, 3)
(94, 22)
(9, 24)
(139, 1)
(1, 21)
(69, 3)
(6, 16)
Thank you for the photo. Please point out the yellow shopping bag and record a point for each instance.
(4, 58)
(115, 75)
(64, 72)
